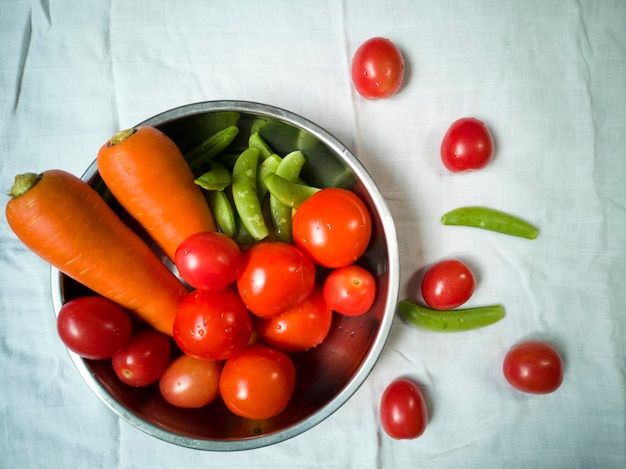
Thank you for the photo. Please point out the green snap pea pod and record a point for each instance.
(245, 194)
(490, 219)
(289, 193)
(228, 158)
(216, 179)
(242, 235)
(265, 168)
(223, 212)
(289, 168)
(456, 320)
(211, 147)
(256, 141)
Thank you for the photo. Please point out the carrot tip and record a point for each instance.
(121, 136)
(23, 183)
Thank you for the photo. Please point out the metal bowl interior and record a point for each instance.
(328, 375)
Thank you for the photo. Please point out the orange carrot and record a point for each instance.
(148, 175)
(66, 222)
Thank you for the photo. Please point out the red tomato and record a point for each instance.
(300, 328)
(190, 382)
(208, 260)
(212, 325)
(377, 68)
(258, 382)
(448, 284)
(333, 227)
(274, 277)
(533, 367)
(350, 290)
(466, 146)
(144, 358)
(403, 412)
(93, 327)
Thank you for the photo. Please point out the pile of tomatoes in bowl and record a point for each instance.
(246, 312)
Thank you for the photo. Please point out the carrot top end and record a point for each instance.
(121, 136)
(23, 183)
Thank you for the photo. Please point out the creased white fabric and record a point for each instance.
(548, 78)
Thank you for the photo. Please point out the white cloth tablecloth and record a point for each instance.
(548, 78)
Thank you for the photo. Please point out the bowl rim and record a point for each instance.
(365, 368)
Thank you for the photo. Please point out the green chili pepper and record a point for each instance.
(456, 320)
(490, 219)
(245, 194)
(211, 147)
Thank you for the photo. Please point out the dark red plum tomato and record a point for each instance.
(208, 260)
(403, 412)
(212, 325)
(467, 146)
(533, 367)
(448, 284)
(377, 68)
(350, 290)
(144, 358)
(93, 327)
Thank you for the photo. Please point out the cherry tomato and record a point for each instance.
(448, 284)
(208, 260)
(274, 277)
(190, 382)
(377, 68)
(403, 412)
(533, 367)
(300, 328)
(466, 146)
(144, 358)
(350, 290)
(93, 327)
(212, 325)
(258, 382)
(333, 227)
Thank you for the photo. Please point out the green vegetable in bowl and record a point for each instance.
(245, 193)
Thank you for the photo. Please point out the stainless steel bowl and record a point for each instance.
(328, 375)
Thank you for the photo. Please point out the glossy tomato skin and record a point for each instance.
(533, 367)
(258, 382)
(274, 277)
(212, 325)
(377, 68)
(350, 290)
(333, 227)
(403, 412)
(300, 328)
(93, 327)
(467, 145)
(448, 284)
(144, 358)
(190, 383)
(208, 260)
